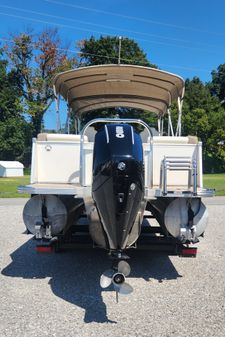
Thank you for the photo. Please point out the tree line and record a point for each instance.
(28, 63)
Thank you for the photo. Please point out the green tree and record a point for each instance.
(204, 117)
(14, 129)
(198, 103)
(10, 92)
(105, 50)
(15, 140)
(37, 58)
(217, 85)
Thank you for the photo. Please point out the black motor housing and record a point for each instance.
(118, 182)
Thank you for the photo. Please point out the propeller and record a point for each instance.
(106, 278)
(117, 277)
(124, 268)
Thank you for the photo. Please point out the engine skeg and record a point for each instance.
(118, 182)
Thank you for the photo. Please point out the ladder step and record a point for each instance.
(178, 164)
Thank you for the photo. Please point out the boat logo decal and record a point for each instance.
(119, 132)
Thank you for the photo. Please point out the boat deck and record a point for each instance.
(82, 191)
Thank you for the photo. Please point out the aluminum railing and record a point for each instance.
(178, 164)
(149, 181)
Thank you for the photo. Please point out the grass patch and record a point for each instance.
(8, 187)
(216, 181)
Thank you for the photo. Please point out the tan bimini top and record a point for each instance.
(95, 87)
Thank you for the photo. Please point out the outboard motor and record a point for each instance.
(118, 184)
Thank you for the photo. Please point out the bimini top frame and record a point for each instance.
(96, 87)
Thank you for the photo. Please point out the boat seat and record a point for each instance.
(175, 140)
(59, 137)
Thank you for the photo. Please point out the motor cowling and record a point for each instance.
(118, 182)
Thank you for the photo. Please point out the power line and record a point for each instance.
(184, 67)
(53, 23)
(104, 26)
(123, 59)
(133, 17)
(108, 34)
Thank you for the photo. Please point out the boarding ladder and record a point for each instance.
(179, 164)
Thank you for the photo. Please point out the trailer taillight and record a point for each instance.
(188, 252)
(44, 249)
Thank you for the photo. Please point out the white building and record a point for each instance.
(11, 169)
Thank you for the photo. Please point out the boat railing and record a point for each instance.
(179, 164)
(149, 175)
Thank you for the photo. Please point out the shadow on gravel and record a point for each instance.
(74, 275)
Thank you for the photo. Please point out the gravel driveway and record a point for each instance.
(59, 294)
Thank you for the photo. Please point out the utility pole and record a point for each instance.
(120, 39)
(57, 101)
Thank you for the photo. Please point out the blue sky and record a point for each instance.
(184, 37)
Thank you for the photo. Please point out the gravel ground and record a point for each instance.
(59, 294)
